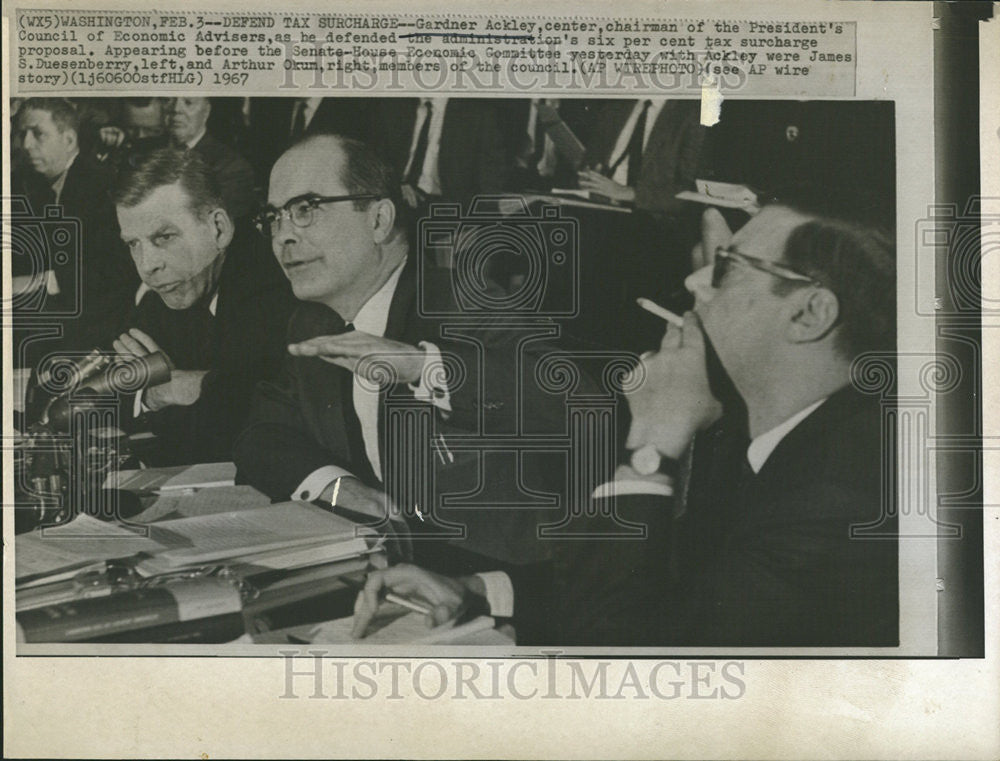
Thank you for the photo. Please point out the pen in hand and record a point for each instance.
(410, 604)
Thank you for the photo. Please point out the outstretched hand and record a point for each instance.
(347, 350)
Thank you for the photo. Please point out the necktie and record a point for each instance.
(635, 146)
(361, 467)
(420, 151)
(299, 120)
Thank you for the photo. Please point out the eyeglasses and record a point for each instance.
(725, 256)
(301, 210)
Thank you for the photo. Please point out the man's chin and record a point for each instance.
(306, 290)
(178, 301)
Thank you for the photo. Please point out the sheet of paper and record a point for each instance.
(202, 502)
(211, 537)
(577, 198)
(83, 540)
(406, 629)
(203, 475)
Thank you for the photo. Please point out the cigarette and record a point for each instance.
(663, 314)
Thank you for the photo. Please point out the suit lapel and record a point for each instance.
(402, 325)
(402, 311)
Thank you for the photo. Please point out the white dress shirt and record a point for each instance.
(196, 139)
(429, 180)
(760, 448)
(620, 174)
(372, 318)
(308, 111)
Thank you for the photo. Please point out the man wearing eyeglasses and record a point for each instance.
(785, 537)
(361, 343)
(211, 299)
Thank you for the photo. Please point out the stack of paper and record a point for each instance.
(291, 534)
(201, 578)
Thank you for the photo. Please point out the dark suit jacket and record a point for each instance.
(244, 343)
(233, 173)
(298, 425)
(271, 123)
(472, 157)
(765, 560)
(673, 155)
(102, 283)
(578, 115)
(846, 147)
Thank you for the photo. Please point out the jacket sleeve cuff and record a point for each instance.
(138, 408)
(432, 386)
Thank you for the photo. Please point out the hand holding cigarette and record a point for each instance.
(673, 401)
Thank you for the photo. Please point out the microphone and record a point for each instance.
(116, 377)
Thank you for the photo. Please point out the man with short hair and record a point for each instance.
(213, 303)
(327, 431)
(776, 544)
(187, 124)
(100, 284)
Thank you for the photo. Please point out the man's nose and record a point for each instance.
(699, 283)
(283, 231)
(148, 262)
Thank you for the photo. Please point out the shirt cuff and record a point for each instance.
(317, 481)
(138, 408)
(52, 283)
(499, 593)
(432, 386)
(623, 488)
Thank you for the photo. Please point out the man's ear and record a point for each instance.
(222, 226)
(816, 314)
(382, 214)
(71, 139)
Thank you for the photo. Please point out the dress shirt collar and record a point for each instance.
(312, 105)
(374, 315)
(760, 448)
(60, 182)
(196, 139)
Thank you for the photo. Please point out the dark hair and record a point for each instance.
(858, 264)
(365, 169)
(64, 113)
(168, 166)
